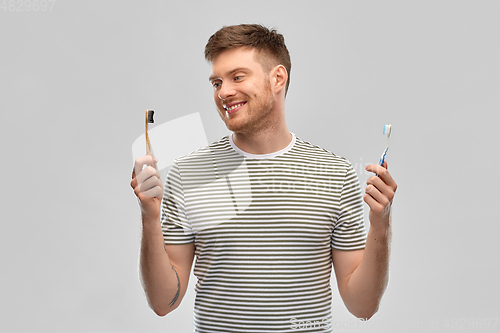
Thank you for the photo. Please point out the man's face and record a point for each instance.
(242, 91)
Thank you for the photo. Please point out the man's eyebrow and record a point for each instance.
(237, 69)
(213, 77)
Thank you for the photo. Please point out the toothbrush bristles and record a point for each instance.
(150, 116)
(149, 119)
(387, 130)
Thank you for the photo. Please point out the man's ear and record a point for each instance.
(279, 76)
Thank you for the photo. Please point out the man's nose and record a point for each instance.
(226, 91)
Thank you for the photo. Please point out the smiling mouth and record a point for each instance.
(232, 107)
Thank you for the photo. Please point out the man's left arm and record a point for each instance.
(362, 275)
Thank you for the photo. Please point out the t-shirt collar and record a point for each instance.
(262, 156)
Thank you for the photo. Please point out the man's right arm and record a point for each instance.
(165, 269)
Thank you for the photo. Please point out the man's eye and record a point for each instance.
(216, 84)
(237, 78)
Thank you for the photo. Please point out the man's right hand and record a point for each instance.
(147, 186)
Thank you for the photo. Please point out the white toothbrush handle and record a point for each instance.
(382, 158)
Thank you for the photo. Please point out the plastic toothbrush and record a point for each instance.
(387, 131)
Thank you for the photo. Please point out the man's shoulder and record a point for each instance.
(206, 153)
(308, 150)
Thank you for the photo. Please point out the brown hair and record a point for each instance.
(268, 42)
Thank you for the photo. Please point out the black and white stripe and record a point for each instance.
(263, 231)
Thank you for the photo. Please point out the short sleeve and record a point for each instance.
(349, 232)
(174, 222)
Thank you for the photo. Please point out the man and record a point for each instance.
(265, 213)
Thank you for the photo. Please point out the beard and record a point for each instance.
(257, 113)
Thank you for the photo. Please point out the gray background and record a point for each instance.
(75, 81)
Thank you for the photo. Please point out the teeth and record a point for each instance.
(233, 107)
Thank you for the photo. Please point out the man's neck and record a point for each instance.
(267, 141)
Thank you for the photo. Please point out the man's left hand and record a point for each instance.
(379, 194)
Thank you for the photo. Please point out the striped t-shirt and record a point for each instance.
(263, 228)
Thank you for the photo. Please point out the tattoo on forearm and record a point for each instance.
(178, 287)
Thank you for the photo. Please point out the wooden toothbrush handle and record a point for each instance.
(148, 144)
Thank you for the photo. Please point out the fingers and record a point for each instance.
(154, 192)
(145, 174)
(375, 206)
(375, 199)
(380, 189)
(140, 162)
(376, 184)
(383, 174)
(147, 181)
(151, 188)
